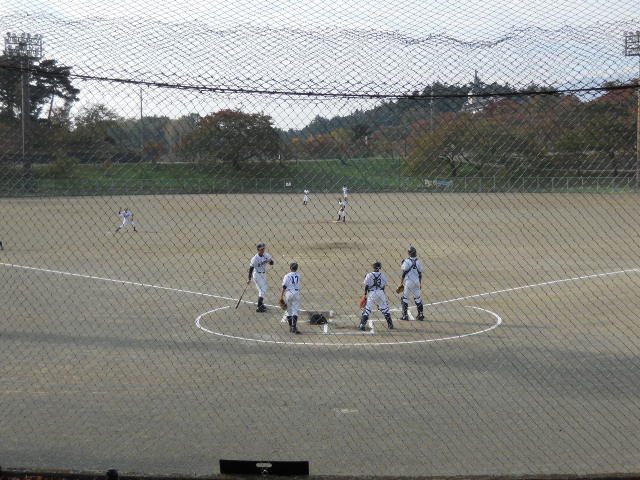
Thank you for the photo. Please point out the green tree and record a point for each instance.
(234, 137)
(47, 81)
(96, 134)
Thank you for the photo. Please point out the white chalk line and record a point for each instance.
(458, 299)
(355, 344)
(192, 292)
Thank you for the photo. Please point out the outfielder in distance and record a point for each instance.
(411, 284)
(290, 296)
(342, 210)
(258, 272)
(374, 284)
(305, 199)
(345, 193)
(127, 219)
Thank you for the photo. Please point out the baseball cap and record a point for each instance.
(260, 246)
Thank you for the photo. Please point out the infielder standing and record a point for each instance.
(412, 279)
(258, 272)
(305, 200)
(345, 192)
(342, 210)
(374, 284)
(290, 294)
(127, 219)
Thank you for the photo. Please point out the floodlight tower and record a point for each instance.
(632, 49)
(27, 49)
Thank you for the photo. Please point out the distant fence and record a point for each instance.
(17, 187)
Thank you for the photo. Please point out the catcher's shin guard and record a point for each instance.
(363, 322)
(289, 320)
(294, 324)
(420, 310)
(389, 322)
(405, 311)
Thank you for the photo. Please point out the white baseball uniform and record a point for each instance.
(375, 283)
(306, 197)
(127, 218)
(291, 283)
(412, 279)
(345, 192)
(259, 275)
(342, 210)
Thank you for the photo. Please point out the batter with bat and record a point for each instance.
(411, 284)
(374, 295)
(258, 272)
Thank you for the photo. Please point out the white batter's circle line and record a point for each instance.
(355, 344)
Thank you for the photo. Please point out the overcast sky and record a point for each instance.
(355, 46)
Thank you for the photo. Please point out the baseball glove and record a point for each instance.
(363, 301)
(283, 304)
(400, 288)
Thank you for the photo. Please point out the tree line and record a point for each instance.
(436, 129)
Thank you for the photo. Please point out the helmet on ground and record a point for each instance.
(293, 267)
(412, 251)
(376, 265)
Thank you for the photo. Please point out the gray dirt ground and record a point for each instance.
(124, 350)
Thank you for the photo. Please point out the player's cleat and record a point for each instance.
(294, 330)
(261, 308)
(420, 317)
(404, 317)
(361, 327)
(389, 324)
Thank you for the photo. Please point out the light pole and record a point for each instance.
(632, 49)
(26, 48)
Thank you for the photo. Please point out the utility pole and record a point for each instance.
(632, 49)
(27, 49)
(141, 129)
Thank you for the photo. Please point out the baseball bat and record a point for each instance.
(241, 295)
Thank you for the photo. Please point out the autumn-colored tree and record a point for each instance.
(447, 144)
(234, 137)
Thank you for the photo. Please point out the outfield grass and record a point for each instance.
(329, 175)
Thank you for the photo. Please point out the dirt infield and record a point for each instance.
(124, 350)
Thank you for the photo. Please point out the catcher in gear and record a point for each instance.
(290, 296)
(374, 284)
(411, 283)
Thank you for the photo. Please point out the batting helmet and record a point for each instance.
(293, 267)
(412, 251)
(260, 246)
(376, 265)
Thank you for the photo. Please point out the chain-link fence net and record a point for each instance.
(146, 149)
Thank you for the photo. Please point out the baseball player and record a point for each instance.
(127, 219)
(258, 272)
(374, 284)
(1, 247)
(290, 295)
(412, 279)
(345, 192)
(305, 200)
(342, 210)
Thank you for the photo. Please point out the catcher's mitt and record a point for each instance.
(400, 289)
(363, 301)
(283, 304)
